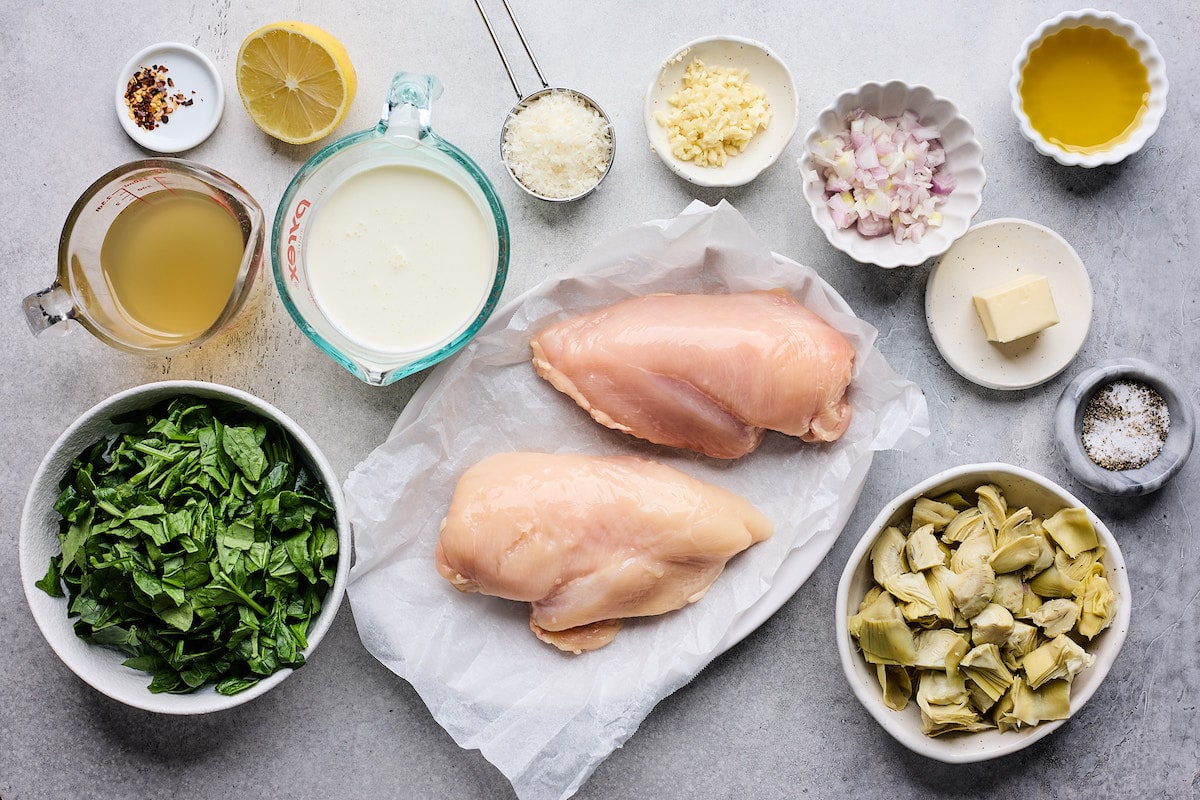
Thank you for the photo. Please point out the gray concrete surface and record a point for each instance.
(771, 718)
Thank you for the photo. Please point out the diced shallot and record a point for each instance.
(884, 175)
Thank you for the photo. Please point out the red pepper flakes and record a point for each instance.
(148, 97)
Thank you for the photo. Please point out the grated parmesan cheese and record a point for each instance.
(558, 146)
(715, 114)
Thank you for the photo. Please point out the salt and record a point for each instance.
(1125, 425)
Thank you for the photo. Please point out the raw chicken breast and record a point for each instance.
(590, 540)
(703, 372)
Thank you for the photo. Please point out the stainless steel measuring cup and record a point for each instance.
(525, 102)
(88, 290)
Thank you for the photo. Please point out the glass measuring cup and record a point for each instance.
(89, 292)
(360, 312)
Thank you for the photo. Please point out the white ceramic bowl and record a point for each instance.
(964, 156)
(1156, 74)
(1021, 488)
(765, 70)
(195, 77)
(100, 666)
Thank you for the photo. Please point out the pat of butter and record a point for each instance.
(1016, 309)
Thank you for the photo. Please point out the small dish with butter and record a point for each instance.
(1009, 305)
(1088, 88)
(720, 110)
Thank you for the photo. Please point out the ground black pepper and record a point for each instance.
(148, 97)
(1125, 425)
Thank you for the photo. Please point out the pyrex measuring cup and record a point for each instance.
(390, 246)
(170, 305)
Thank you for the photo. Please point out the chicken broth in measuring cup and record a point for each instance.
(400, 258)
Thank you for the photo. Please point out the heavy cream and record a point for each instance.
(400, 258)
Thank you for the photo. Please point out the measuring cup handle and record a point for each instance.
(47, 308)
(407, 111)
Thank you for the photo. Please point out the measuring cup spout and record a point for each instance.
(406, 113)
(48, 308)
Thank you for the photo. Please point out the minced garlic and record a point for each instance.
(714, 115)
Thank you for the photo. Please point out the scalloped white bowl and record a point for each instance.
(1020, 487)
(765, 70)
(964, 155)
(102, 667)
(1156, 74)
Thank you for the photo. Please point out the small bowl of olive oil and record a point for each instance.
(1088, 88)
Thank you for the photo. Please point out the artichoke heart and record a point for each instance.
(1080, 566)
(972, 590)
(963, 525)
(992, 625)
(985, 667)
(938, 688)
(923, 549)
(1016, 553)
(1058, 658)
(1053, 582)
(887, 555)
(1031, 706)
(1044, 558)
(1022, 639)
(882, 633)
(939, 579)
(1098, 604)
(992, 505)
(941, 649)
(916, 599)
(1017, 524)
(1009, 592)
(976, 548)
(1072, 530)
(1056, 617)
(931, 512)
(896, 684)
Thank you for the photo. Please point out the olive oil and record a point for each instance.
(1084, 89)
(171, 260)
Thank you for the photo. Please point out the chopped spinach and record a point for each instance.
(197, 543)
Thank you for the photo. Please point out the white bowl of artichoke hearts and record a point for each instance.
(982, 608)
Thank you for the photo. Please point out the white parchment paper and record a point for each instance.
(546, 719)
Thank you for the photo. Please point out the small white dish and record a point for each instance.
(765, 70)
(102, 667)
(1068, 428)
(1020, 487)
(992, 253)
(964, 157)
(195, 78)
(1156, 75)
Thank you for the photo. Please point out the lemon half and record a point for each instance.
(296, 81)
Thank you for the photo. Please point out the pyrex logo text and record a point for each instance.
(293, 238)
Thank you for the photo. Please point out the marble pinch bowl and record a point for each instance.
(1020, 487)
(1068, 426)
(102, 667)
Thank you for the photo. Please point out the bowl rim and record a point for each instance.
(1156, 77)
(1068, 418)
(49, 613)
(709, 177)
(940, 748)
(905, 254)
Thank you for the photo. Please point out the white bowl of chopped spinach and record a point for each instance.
(184, 547)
